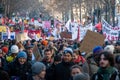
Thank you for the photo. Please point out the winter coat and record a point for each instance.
(83, 63)
(4, 75)
(111, 74)
(50, 72)
(93, 67)
(47, 64)
(19, 71)
(62, 71)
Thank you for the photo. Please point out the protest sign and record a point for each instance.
(66, 35)
(12, 35)
(4, 36)
(3, 29)
(22, 37)
(91, 40)
(20, 46)
(36, 53)
(111, 33)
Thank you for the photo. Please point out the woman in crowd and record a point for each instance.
(20, 68)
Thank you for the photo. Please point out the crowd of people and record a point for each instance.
(60, 60)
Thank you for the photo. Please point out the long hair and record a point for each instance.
(109, 57)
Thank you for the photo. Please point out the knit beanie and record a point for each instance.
(22, 54)
(68, 50)
(5, 49)
(37, 68)
(14, 49)
(109, 48)
(83, 76)
(97, 49)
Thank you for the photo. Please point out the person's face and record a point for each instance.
(48, 55)
(67, 57)
(42, 74)
(103, 62)
(22, 60)
(75, 56)
(30, 50)
(75, 71)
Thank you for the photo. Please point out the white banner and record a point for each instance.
(83, 30)
(111, 33)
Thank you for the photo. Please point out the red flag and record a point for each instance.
(98, 26)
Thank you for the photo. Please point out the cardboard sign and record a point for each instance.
(66, 35)
(22, 37)
(20, 46)
(36, 53)
(91, 40)
(3, 29)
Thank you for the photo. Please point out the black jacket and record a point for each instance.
(21, 71)
(3, 75)
(62, 71)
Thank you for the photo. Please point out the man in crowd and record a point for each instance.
(106, 70)
(62, 70)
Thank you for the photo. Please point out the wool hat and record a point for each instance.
(97, 49)
(37, 68)
(30, 46)
(22, 54)
(68, 50)
(14, 49)
(5, 49)
(83, 76)
(109, 48)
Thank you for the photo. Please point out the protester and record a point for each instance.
(75, 69)
(20, 68)
(30, 54)
(51, 69)
(93, 60)
(14, 51)
(62, 70)
(82, 76)
(38, 71)
(48, 59)
(78, 59)
(106, 70)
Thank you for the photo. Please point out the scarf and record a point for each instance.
(106, 73)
